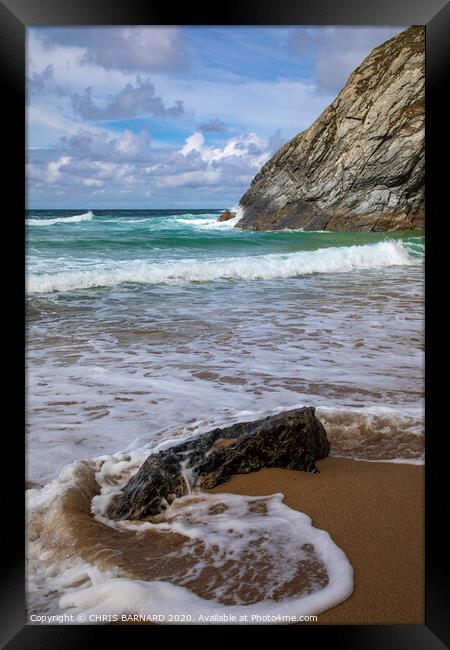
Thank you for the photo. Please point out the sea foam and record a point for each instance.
(246, 268)
(282, 538)
(211, 223)
(233, 555)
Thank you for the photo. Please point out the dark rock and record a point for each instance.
(227, 215)
(361, 164)
(291, 440)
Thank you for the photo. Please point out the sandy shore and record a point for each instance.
(375, 514)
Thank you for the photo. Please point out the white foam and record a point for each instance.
(77, 218)
(282, 533)
(213, 223)
(239, 210)
(396, 461)
(259, 267)
(209, 222)
(353, 342)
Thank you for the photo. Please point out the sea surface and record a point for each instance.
(146, 327)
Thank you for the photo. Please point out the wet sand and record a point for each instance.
(375, 514)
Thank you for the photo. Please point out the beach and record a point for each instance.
(374, 513)
(146, 329)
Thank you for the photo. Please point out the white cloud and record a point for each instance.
(101, 146)
(92, 182)
(89, 162)
(53, 169)
(194, 142)
(37, 116)
(46, 124)
(249, 147)
(129, 49)
(130, 101)
(191, 179)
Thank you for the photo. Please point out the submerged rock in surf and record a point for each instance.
(290, 440)
(227, 215)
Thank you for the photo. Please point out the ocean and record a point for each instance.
(146, 327)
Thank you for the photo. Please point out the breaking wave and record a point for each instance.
(258, 267)
(86, 216)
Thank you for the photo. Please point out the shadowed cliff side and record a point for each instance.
(360, 165)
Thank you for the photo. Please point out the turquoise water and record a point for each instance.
(145, 325)
(55, 242)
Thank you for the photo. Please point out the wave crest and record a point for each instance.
(86, 216)
(259, 267)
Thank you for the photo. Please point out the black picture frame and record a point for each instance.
(15, 17)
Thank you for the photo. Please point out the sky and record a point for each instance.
(173, 117)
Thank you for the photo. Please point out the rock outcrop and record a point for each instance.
(360, 165)
(292, 440)
(227, 215)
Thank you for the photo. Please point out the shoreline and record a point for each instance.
(374, 512)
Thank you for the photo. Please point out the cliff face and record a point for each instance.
(360, 165)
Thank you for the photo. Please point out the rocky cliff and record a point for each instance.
(360, 165)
